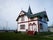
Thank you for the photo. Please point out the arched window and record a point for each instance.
(30, 24)
(34, 24)
(30, 27)
(34, 27)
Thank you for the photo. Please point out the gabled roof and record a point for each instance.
(41, 14)
(30, 15)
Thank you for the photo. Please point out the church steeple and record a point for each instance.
(29, 10)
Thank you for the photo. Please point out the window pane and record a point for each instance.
(41, 27)
(22, 26)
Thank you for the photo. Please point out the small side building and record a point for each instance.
(50, 29)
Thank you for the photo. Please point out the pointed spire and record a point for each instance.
(29, 10)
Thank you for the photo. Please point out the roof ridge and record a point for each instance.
(40, 12)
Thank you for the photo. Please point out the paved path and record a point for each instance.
(49, 36)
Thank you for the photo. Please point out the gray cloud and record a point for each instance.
(10, 9)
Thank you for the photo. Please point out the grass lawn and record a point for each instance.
(19, 36)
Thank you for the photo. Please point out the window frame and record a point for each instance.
(22, 26)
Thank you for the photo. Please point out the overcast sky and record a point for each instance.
(10, 9)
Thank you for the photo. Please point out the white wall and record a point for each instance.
(36, 26)
(25, 19)
(26, 27)
(45, 26)
(26, 24)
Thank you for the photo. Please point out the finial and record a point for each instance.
(44, 9)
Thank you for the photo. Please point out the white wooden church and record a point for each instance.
(27, 21)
